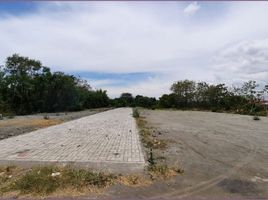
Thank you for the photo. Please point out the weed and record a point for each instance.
(43, 181)
(133, 180)
(46, 117)
(147, 138)
(163, 171)
(256, 118)
(135, 113)
(151, 157)
(37, 181)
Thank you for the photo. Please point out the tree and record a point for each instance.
(146, 102)
(19, 75)
(168, 101)
(185, 92)
(126, 99)
(27, 87)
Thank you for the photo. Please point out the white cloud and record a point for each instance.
(244, 60)
(192, 8)
(125, 37)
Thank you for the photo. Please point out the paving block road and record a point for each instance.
(107, 141)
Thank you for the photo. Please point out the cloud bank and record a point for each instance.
(171, 40)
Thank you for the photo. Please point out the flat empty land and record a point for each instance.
(223, 155)
(107, 140)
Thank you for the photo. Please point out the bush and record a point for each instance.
(45, 180)
(37, 181)
(46, 117)
(256, 118)
(136, 113)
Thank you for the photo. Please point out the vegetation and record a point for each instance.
(191, 95)
(256, 118)
(136, 113)
(26, 86)
(45, 180)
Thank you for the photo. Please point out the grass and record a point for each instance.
(256, 118)
(135, 113)
(41, 181)
(148, 138)
(61, 181)
(40, 123)
(157, 168)
(163, 171)
(134, 180)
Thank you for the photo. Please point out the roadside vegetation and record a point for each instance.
(154, 146)
(26, 87)
(41, 181)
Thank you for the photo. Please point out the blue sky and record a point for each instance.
(141, 47)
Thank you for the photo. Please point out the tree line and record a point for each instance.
(26, 86)
(188, 94)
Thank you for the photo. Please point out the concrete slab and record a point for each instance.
(106, 141)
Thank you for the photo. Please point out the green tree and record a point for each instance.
(185, 92)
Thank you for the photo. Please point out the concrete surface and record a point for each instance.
(106, 141)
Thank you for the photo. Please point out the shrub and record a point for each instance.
(37, 181)
(256, 118)
(46, 117)
(136, 113)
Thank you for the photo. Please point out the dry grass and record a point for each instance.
(163, 171)
(148, 138)
(39, 182)
(134, 180)
(157, 169)
(39, 123)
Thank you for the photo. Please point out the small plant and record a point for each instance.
(46, 180)
(37, 181)
(46, 117)
(256, 118)
(163, 171)
(136, 113)
(151, 157)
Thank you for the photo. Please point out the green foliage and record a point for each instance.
(190, 95)
(41, 181)
(37, 181)
(136, 113)
(256, 118)
(26, 87)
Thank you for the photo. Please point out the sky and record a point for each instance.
(141, 47)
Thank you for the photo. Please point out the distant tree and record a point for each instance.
(126, 99)
(185, 92)
(168, 101)
(146, 102)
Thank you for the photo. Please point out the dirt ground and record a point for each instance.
(23, 124)
(223, 155)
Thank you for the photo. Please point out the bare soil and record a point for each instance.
(222, 155)
(23, 124)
